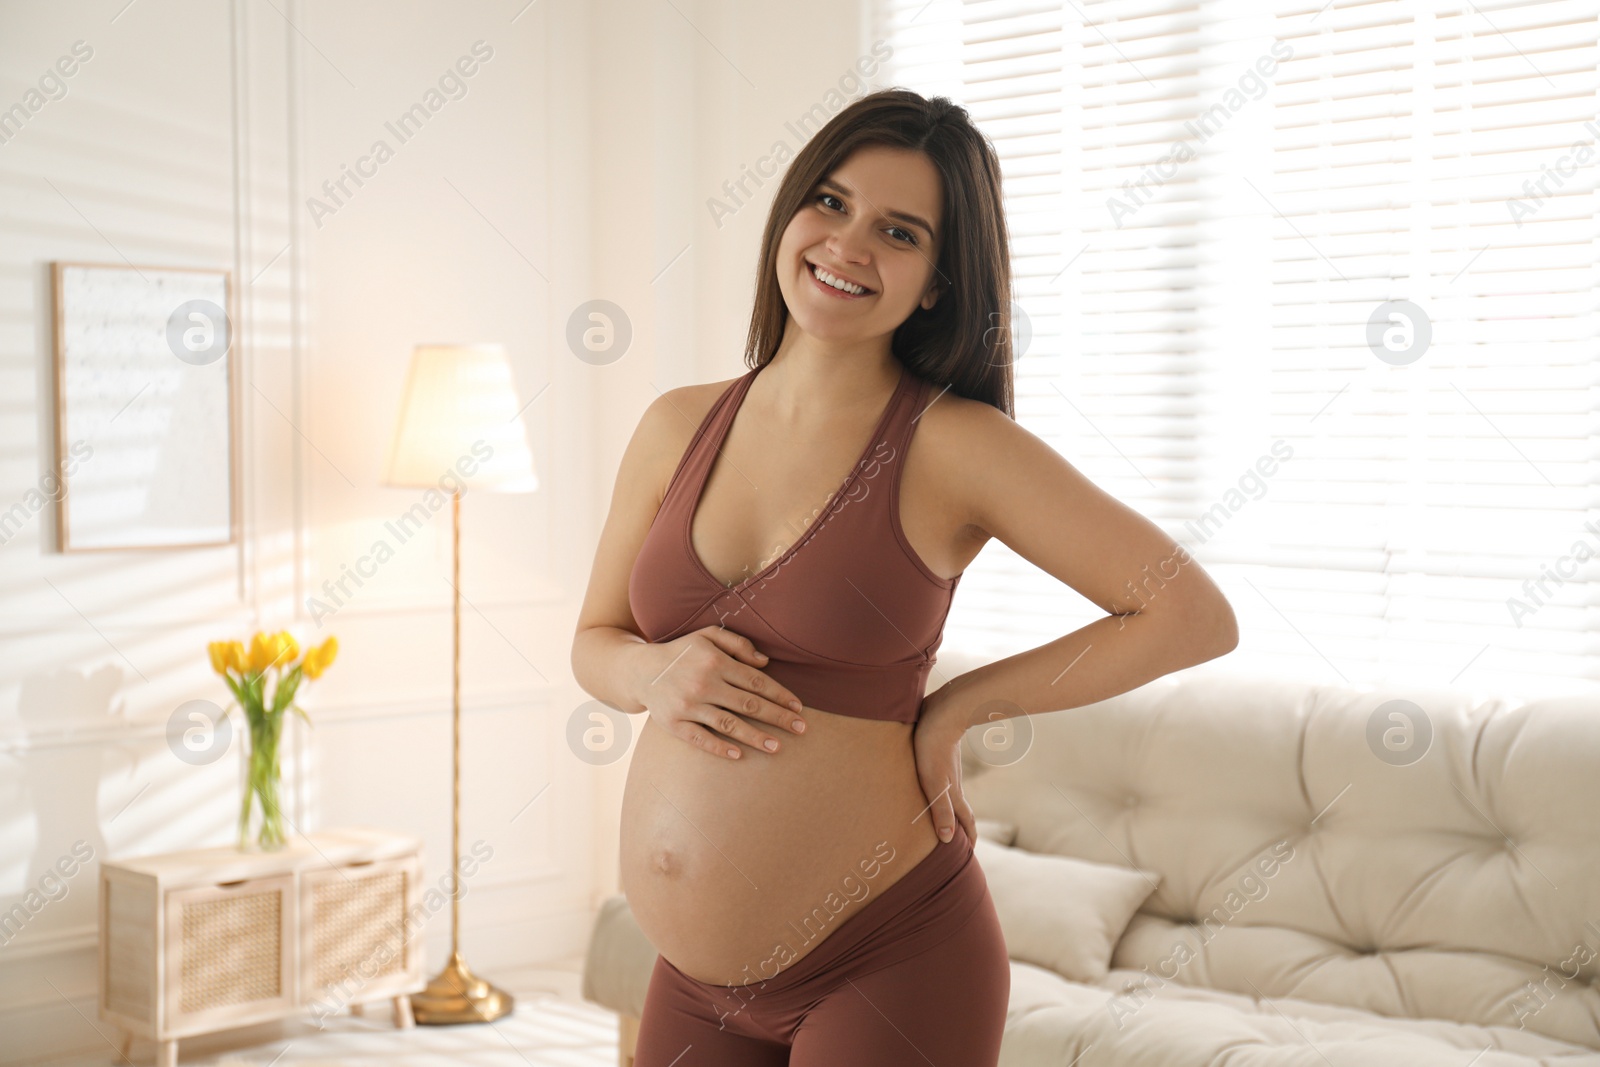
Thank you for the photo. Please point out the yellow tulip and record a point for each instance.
(289, 649)
(263, 650)
(219, 656)
(234, 656)
(319, 658)
(269, 650)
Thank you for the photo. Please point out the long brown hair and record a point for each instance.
(965, 339)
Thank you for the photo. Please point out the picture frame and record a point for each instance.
(146, 382)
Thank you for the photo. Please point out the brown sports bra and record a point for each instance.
(848, 615)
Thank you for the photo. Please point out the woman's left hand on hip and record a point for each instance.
(936, 743)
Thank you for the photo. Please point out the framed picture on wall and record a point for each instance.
(146, 407)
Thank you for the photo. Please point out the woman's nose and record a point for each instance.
(848, 245)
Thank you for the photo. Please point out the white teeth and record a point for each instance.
(838, 283)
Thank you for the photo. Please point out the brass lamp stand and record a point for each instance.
(455, 994)
(460, 427)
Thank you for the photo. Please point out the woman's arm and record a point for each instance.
(610, 660)
(1164, 613)
(695, 684)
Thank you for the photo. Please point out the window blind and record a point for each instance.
(1353, 246)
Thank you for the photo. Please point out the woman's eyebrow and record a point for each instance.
(903, 216)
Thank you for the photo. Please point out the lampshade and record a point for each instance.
(460, 415)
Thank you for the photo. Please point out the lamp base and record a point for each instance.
(456, 995)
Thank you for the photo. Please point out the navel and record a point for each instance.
(666, 862)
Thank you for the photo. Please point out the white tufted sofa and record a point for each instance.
(1441, 910)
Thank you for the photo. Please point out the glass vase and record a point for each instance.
(260, 815)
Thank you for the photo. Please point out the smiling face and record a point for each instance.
(872, 225)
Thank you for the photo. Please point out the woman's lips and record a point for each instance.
(811, 272)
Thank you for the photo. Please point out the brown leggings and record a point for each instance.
(918, 976)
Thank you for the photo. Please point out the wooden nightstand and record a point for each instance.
(207, 939)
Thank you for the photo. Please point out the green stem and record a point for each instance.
(263, 777)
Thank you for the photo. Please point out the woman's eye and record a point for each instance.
(908, 238)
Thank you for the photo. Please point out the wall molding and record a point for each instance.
(69, 622)
(15, 743)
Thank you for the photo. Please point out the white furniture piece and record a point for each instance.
(207, 939)
(1432, 906)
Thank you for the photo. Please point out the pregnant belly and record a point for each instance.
(735, 869)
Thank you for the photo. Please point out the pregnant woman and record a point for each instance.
(770, 590)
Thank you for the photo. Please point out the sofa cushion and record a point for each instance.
(1127, 1020)
(1062, 913)
(996, 830)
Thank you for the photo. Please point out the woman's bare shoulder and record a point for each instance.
(958, 423)
(680, 411)
(667, 427)
(968, 442)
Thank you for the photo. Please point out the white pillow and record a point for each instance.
(1062, 913)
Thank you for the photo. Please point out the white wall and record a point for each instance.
(577, 166)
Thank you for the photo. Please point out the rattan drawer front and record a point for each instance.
(357, 943)
(230, 951)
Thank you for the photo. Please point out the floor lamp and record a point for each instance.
(460, 428)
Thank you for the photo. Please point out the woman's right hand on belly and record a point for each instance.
(702, 678)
